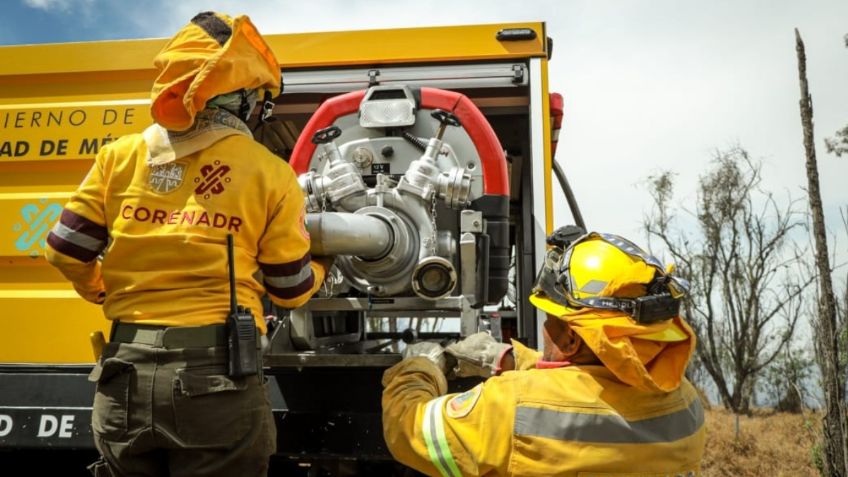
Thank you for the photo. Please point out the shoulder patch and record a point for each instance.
(462, 404)
(166, 178)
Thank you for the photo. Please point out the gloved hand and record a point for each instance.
(427, 349)
(477, 355)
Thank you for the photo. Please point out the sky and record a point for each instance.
(649, 86)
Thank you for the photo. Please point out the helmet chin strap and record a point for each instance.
(244, 108)
(267, 114)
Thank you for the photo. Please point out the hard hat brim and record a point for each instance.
(542, 302)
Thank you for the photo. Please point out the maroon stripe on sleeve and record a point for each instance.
(292, 292)
(285, 269)
(80, 224)
(72, 250)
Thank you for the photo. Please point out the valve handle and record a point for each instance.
(323, 136)
(445, 117)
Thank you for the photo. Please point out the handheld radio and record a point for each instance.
(241, 328)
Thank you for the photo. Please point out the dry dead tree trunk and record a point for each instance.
(827, 350)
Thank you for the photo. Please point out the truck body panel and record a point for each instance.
(60, 103)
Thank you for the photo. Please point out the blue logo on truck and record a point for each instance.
(37, 220)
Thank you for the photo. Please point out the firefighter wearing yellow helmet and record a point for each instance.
(161, 206)
(607, 396)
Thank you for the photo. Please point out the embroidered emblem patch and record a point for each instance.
(214, 178)
(166, 178)
(462, 404)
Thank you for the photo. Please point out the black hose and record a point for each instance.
(569, 195)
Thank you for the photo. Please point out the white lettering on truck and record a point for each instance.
(5, 425)
(50, 424)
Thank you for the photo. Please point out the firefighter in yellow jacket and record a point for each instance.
(159, 207)
(606, 397)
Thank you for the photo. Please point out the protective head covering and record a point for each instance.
(623, 305)
(212, 55)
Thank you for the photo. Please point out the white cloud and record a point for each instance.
(62, 5)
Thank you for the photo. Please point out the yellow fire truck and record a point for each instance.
(425, 156)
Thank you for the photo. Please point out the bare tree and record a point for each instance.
(842, 323)
(826, 327)
(744, 302)
(835, 425)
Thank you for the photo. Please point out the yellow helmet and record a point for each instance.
(607, 272)
(212, 55)
(622, 304)
(593, 265)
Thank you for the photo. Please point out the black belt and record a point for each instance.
(171, 337)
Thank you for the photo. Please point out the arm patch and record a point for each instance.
(462, 404)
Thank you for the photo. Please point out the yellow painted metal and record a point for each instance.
(58, 99)
(67, 131)
(408, 45)
(546, 131)
(47, 327)
(25, 221)
(300, 50)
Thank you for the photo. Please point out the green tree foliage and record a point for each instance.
(787, 379)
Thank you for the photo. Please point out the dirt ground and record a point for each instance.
(773, 444)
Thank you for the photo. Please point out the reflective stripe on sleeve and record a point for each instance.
(289, 293)
(433, 429)
(285, 269)
(288, 280)
(609, 428)
(77, 237)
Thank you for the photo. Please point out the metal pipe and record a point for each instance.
(340, 233)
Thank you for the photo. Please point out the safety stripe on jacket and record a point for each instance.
(288, 293)
(609, 428)
(433, 429)
(77, 237)
(288, 268)
(289, 280)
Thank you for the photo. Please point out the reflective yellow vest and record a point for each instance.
(568, 421)
(163, 229)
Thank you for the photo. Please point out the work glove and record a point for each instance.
(477, 355)
(427, 349)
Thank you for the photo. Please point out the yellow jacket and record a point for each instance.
(565, 421)
(160, 208)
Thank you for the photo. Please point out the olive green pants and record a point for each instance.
(162, 411)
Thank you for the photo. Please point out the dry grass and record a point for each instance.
(773, 444)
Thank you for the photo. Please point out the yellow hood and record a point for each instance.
(214, 54)
(650, 357)
(637, 354)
